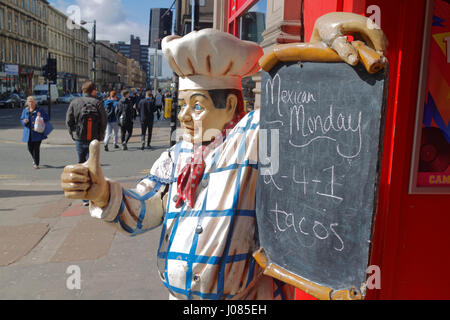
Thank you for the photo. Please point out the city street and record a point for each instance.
(44, 236)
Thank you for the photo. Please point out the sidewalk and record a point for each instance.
(43, 234)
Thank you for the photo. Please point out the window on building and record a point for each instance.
(24, 54)
(2, 18)
(16, 23)
(22, 26)
(9, 21)
(17, 53)
(11, 53)
(3, 49)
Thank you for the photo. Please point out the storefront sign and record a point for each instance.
(432, 150)
(12, 69)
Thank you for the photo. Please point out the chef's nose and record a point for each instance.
(185, 115)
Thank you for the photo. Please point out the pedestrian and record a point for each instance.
(146, 108)
(112, 127)
(86, 120)
(30, 136)
(159, 103)
(125, 115)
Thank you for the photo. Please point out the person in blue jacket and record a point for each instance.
(33, 138)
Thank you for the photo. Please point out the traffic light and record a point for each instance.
(45, 71)
(52, 73)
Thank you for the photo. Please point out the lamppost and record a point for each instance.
(94, 36)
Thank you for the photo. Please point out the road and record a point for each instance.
(45, 237)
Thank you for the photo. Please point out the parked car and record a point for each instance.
(12, 101)
(66, 99)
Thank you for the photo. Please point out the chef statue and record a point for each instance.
(202, 190)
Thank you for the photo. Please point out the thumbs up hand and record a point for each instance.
(86, 181)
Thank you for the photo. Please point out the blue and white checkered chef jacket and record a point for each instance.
(205, 252)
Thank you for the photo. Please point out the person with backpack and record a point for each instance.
(146, 109)
(125, 114)
(86, 120)
(112, 126)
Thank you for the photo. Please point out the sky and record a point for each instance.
(116, 19)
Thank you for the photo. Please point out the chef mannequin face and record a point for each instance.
(200, 119)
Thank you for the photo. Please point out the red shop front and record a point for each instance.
(411, 240)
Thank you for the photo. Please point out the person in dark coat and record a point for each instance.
(146, 109)
(33, 138)
(125, 115)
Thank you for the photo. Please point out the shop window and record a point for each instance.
(431, 151)
(247, 21)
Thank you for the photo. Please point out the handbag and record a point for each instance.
(39, 125)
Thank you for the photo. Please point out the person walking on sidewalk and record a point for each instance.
(86, 120)
(33, 138)
(112, 126)
(125, 114)
(159, 103)
(146, 108)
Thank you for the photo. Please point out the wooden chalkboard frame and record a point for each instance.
(291, 53)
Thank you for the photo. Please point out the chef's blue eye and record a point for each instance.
(198, 107)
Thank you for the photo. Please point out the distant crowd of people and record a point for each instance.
(96, 117)
(89, 118)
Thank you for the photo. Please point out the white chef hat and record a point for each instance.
(210, 59)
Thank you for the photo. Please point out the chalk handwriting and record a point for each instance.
(285, 222)
(313, 128)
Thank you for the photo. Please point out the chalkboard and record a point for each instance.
(319, 161)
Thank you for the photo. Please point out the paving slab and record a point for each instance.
(90, 239)
(17, 241)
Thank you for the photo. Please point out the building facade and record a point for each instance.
(68, 44)
(136, 75)
(137, 51)
(122, 71)
(23, 44)
(106, 72)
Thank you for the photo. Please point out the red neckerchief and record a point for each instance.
(192, 173)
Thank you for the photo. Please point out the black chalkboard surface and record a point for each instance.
(320, 150)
